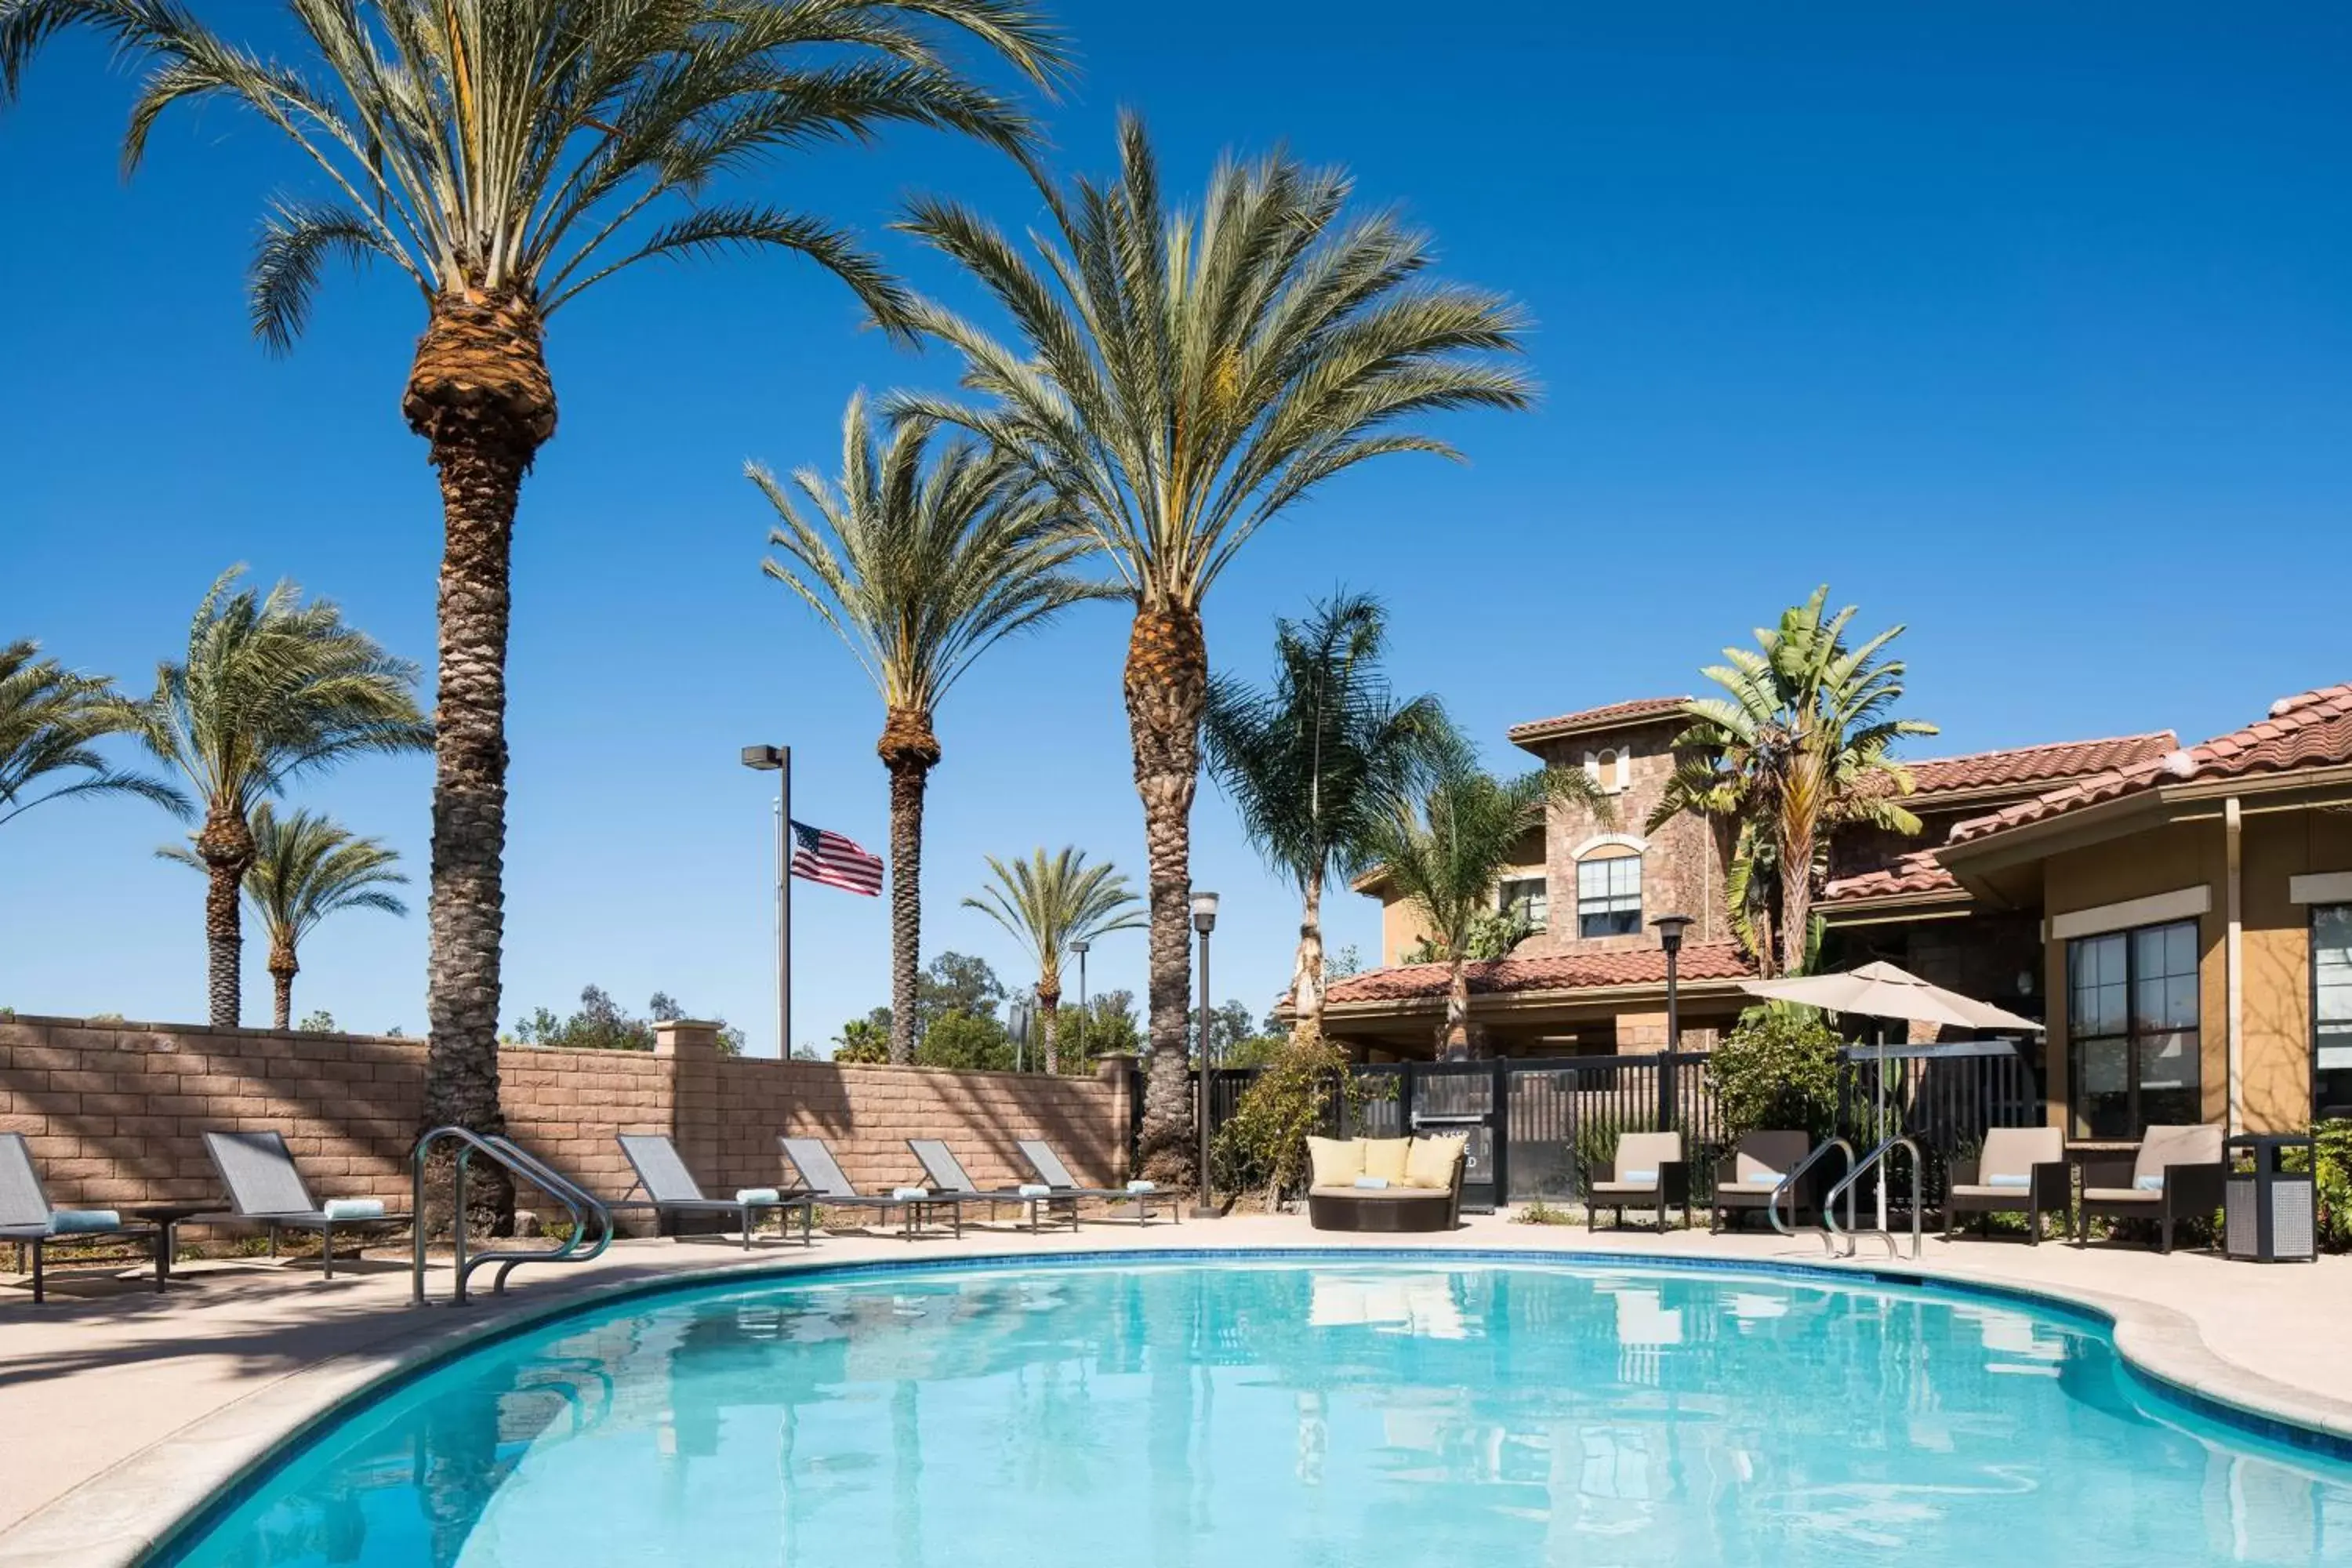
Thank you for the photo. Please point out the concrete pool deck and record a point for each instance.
(139, 1407)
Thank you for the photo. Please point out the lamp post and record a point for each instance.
(1204, 920)
(778, 760)
(1670, 937)
(1085, 1021)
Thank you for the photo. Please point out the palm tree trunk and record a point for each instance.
(225, 847)
(1796, 893)
(1307, 969)
(1166, 686)
(479, 393)
(1049, 1009)
(282, 969)
(910, 750)
(1456, 1034)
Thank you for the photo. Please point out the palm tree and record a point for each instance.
(48, 717)
(1181, 379)
(506, 155)
(1317, 761)
(272, 689)
(926, 558)
(1447, 855)
(1798, 744)
(306, 867)
(1050, 903)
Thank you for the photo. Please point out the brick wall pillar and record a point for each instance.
(1118, 1072)
(691, 1050)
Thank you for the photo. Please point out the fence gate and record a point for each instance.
(1466, 1097)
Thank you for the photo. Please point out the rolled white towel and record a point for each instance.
(1035, 1190)
(909, 1194)
(71, 1222)
(1143, 1187)
(1375, 1184)
(354, 1208)
(757, 1195)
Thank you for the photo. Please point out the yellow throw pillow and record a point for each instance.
(1338, 1161)
(1385, 1157)
(1430, 1163)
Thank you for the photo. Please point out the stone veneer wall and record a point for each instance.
(114, 1111)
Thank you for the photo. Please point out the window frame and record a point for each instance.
(2319, 1104)
(2135, 1035)
(1538, 905)
(1608, 899)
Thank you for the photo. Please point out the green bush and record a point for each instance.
(2332, 1185)
(972, 1041)
(863, 1051)
(1777, 1069)
(1308, 1088)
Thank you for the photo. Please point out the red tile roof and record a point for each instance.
(2310, 730)
(1555, 972)
(1917, 872)
(1596, 718)
(2043, 764)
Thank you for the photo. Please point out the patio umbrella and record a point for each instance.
(1883, 990)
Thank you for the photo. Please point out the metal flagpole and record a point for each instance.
(784, 905)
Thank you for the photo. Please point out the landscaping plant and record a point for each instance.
(1308, 1088)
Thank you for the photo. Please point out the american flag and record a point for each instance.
(835, 861)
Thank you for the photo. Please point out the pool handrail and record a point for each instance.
(586, 1209)
(1850, 1235)
(1789, 1185)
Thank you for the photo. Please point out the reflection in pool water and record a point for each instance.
(1202, 1415)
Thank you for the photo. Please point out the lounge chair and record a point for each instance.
(1747, 1177)
(670, 1189)
(26, 1218)
(2177, 1175)
(1648, 1172)
(2023, 1169)
(1049, 1170)
(264, 1188)
(947, 1174)
(823, 1176)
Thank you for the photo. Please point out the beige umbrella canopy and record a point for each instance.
(1883, 990)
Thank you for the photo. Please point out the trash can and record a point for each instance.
(2267, 1213)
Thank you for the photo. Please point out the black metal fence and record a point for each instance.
(1536, 1123)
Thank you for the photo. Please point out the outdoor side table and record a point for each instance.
(167, 1219)
(2267, 1212)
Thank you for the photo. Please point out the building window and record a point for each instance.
(2132, 1030)
(2331, 1010)
(1610, 770)
(1609, 896)
(1528, 895)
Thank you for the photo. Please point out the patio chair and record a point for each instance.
(264, 1188)
(26, 1218)
(823, 1176)
(2023, 1169)
(1048, 1168)
(947, 1174)
(1747, 1177)
(1648, 1172)
(2176, 1176)
(671, 1190)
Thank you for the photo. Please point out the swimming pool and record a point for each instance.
(1290, 1414)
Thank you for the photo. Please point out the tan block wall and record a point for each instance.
(115, 1113)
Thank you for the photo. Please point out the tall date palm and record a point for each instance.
(507, 155)
(1315, 761)
(928, 552)
(49, 716)
(306, 867)
(1049, 903)
(1180, 378)
(272, 689)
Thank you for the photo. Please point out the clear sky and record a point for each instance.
(2026, 326)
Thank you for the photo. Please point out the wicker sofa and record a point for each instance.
(1386, 1183)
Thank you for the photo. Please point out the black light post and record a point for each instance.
(1670, 937)
(1080, 949)
(778, 760)
(1204, 920)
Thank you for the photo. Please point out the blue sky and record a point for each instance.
(2028, 330)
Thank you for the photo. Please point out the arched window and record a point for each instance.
(1611, 768)
(1609, 890)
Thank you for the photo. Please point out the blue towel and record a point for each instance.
(1637, 1176)
(354, 1208)
(1762, 1174)
(749, 1195)
(1376, 1183)
(2148, 1184)
(2006, 1180)
(1035, 1190)
(67, 1222)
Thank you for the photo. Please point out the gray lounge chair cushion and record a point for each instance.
(23, 1204)
(259, 1173)
(940, 1164)
(818, 1168)
(659, 1169)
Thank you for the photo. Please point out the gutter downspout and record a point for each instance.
(2234, 964)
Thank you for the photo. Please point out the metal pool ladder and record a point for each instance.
(1789, 1185)
(587, 1212)
(1850, 1235)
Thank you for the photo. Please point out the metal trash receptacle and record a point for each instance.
(2268, 1214)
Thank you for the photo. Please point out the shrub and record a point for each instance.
(968, 1040)
(1777, 1068)
(861, 1052)
(2332, 1185)
(1309, 1088)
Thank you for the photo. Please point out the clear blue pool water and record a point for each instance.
(1280, 1414)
